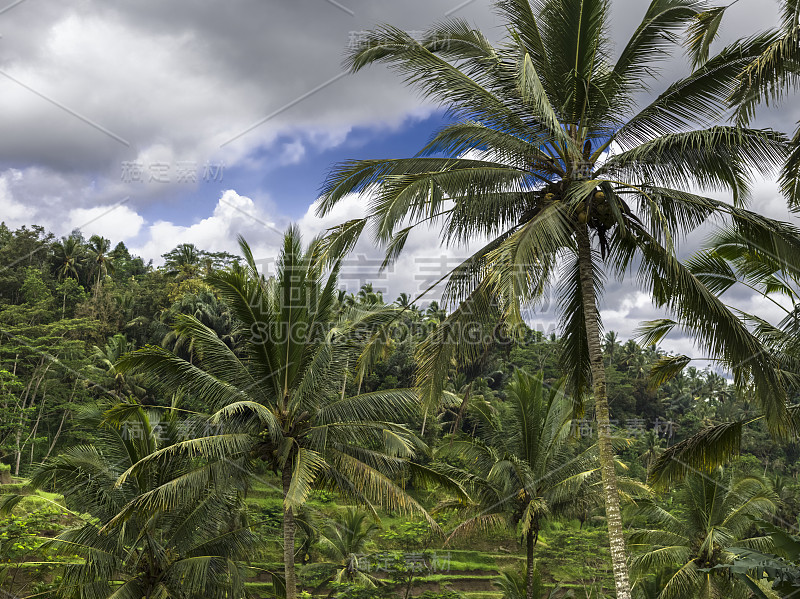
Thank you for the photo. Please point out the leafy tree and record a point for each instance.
(19, 250)
(284, 397)
(781, 567)
(555, 160)
(522, 473)
(689, 542)
(205, 307)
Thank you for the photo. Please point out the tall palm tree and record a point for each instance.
(69, 256)
(283, 396)
(555, 159)
(368, 295)
(521, 470)
(767, 79)
(185, 261)
(127, 547)
(685, 545)
(98, 252)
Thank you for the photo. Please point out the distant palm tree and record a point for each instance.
(70, 255)
(103, 367)
(404, 300)
(554, 158)
(124, 545)
(368, 295)
(185, 261)
(98, 250)
(611, 346)
(685, 545)
(434, 312)
(207, 308)
(521, 469)
(283, 396)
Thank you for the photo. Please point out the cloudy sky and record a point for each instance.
(157, 123)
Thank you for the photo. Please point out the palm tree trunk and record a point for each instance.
(288, 537)
(529, 579)
(610, 491)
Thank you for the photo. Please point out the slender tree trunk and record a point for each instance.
(609, 477)
(57, 435)
(529, 542)
(288, 536)
(461, 410)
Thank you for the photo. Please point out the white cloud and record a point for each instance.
(118, 221)
(14, 213)
(292, 152)
(233, 215)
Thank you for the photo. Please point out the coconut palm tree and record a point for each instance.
(98, 254)
(515, 586)
(184, 261)
(283, 396)
(103, 368)
(554, 157)
(521, 470)
(713, 514)
(127, 548)
(69, 256)
(767, 79)
(206, 307)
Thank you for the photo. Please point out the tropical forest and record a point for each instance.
(227, 424)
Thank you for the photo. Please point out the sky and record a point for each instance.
(159, 123)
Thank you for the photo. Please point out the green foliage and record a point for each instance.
(322, 496)
(687, 544)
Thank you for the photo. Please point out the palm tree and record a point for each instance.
(554, 159)
(284, 395)
(128, 547)
(767, 79)
(206, 307)
(522, 473)
(98, 250)
(69, 255)
(185, 261)
(344, 541)
(515, 586)
(611, 346)
(687, 544)
(104, 360)
(435, 313)
(368, 295)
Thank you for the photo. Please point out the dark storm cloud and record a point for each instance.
(185, 77)
(87, 86)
